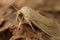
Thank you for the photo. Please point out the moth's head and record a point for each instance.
(19, 16)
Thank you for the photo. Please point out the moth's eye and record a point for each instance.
(20, 15)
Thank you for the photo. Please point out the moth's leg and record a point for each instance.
(28, 21)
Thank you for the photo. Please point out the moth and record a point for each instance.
(49, 26)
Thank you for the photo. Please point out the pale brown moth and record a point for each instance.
(49, 26)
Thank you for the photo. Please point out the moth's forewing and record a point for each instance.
(49, 26)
